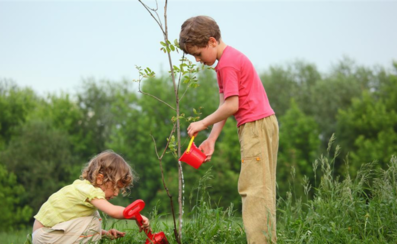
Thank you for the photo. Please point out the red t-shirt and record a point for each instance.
(237, 77)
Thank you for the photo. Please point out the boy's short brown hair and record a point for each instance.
(196, 31)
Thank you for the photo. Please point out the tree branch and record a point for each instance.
(150, 95)
(150, 10)
(163, 180)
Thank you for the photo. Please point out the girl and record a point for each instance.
(70, 215)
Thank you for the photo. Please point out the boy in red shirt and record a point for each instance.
(241, 94)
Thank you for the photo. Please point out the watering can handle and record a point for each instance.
(133, 210)
(190, 145)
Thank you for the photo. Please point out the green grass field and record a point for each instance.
(339, 209)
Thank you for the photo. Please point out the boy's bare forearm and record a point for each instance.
(224, 111)
(216, 130)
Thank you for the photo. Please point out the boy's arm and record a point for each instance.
(208, 146)
(218, 118)
(217, 128)
(226, 108)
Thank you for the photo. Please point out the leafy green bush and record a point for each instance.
(11, 217)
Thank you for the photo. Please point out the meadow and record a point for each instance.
(339, 209)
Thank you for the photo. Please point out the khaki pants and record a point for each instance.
(257, 181)
(79, 230)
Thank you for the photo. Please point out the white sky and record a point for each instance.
(52, 46)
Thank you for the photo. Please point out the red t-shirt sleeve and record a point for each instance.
(228, 82)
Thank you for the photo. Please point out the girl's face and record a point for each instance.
(107, 187)
(109, 190)
(205, 55)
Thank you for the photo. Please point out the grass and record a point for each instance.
(205, 223)
(16, 237)
(359, 210)
(339, 209)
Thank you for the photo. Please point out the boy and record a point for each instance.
(242, 95)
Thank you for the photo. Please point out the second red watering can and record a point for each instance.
(133, 211)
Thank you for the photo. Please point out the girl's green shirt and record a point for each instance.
(70, 202)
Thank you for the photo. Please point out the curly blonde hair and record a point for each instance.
(113, 168)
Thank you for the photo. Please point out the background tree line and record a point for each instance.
(46, 140)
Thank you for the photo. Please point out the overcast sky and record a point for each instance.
(51, 46)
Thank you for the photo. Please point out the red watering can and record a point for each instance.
(193, 156)
(133, 211)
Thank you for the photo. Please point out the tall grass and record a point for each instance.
(359, 210)
(335, 209)
(204, 223)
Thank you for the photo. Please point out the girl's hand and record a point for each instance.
(113, 233)
(145, 224)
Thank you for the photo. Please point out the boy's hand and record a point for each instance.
(196, 127)
(207, 147)
(113, 233)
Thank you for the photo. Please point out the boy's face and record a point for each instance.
(205, 55)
